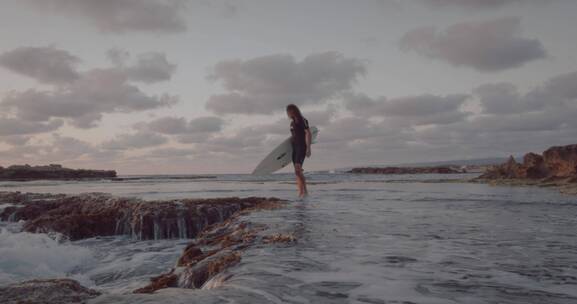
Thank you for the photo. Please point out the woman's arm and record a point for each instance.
(308, 139)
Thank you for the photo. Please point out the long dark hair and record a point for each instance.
(294, 109)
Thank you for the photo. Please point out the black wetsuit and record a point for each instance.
(298, 140)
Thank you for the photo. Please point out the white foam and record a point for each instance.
(26, 256)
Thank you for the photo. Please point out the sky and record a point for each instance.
(201, 86)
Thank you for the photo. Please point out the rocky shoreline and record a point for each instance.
(218, 236)
(405, 170)
(51, 172)
(556, 167)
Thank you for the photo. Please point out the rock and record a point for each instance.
(561, 161)
(160, 282)
(190, 255)
(279, 238)
(533, 166)
(52, 291)
(53, 171)
(405, 170)
(195, 276)
(221, 245)
(97, 214)
(555, 163)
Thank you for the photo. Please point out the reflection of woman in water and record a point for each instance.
(301, 144)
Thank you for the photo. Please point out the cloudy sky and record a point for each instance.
(200, 86)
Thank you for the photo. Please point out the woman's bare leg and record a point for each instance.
(301, 181)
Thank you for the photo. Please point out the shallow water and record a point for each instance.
(361, 239)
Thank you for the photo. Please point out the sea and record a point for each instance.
(360, 239)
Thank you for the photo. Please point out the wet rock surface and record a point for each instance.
(89, 215)
(204, 262)
(219, 236)
(53, 291)
(51, 172)
(405, 170)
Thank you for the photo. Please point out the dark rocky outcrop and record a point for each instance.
(556, 167)
(96, 214)
(46, 292)
(405, 170)
(52, 172)
(555, 163)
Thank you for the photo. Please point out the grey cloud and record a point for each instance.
(179, 125)
(512, 121)
(171, 153)
(16, 140)
(193, 131)
(13, 126)
(470, 4)
(504, 98)
(264, 85)
(84, 101)
(487, 46)
(149, 67)
(118, 16)
(168, 125)
(58, 149)
(418, 110)
(134, 141)
(201, 129)
(45, 64)
(207, 124)
(321, 117)
(562, 86)
(66, 148)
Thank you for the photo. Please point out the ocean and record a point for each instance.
(360, 239)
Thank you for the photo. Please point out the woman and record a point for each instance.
(301, 144)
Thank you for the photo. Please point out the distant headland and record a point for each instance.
(405, 170)
(51, 172)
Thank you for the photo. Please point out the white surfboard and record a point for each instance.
(280, 156)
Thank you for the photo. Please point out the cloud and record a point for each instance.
(179, 125)
(193, 131)
(171, 153)
(513, 122)
(207, 124)
(137, 140)
(487, 46)
(16, 140)
(81, 99)
(264, 85)
(84, 102)
(470, 4)
(149, 68)
(119, 16)
(45, 64)
(167, 125)
(13, 126)
(321, 117)
(417, 110)
(57, 149)
(505, 98)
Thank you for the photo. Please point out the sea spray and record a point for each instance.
(25, 256)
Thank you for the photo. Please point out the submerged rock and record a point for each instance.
(52, 291)
(53, 171)
(204, 263)
(96, 214)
